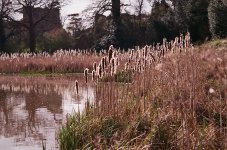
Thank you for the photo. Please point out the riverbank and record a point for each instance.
(178, 103)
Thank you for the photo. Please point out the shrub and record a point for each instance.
(217, 12)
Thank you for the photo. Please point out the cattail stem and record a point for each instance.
(86, 74)
(77, 87)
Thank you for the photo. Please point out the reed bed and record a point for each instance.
(62, 61)
(175, 99)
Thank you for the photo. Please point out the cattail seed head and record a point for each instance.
(110, 53)
(126, 66)
(111, 70)
(100, 71)
(116, 61)
(86, 74)
(103, 63)
(93, 75)
(94, 66)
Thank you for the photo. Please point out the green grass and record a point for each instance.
(120, 77)
(88, 131)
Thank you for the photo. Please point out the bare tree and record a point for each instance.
(114, 7)
(5, 11)
(30, 22)
(139, 7)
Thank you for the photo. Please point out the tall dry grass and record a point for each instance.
(169, 96)
(62, 61)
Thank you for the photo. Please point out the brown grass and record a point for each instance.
(177, 92)
(59, 62)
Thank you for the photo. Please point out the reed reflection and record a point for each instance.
(31, 109)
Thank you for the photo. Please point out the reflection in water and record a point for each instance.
(33, 108)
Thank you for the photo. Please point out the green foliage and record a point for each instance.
(77, 131)
(54, 40)
(199, 17)
(125, 77)
(109, 127)
(182, 13)
(81, 130)
(192, 16)
(122, 77)
(164, 134)
(162, 22)
(218, 18)
(199, 23)
(88, 131)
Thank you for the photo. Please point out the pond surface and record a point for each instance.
(32, 109)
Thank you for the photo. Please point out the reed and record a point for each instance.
(86, 75)
(62, 61)
(172, 96)
(77, 87)
(93, 75)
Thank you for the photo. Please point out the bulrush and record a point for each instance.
(77, 87)
(114, 54)
(152, 56)
(126, 66)
(112, 62)
(164, 43)
(86, 74)
(103, 63)
(116, 61)
(187, 40)
(111, 70)
(112, 66)
(99, 71)
(94, 66)
(93, 75)
(110, 53)
(145, 51)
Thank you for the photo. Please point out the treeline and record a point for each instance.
(204, 19)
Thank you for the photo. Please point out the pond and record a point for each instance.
(32, 109)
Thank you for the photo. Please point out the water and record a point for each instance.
(33, 108)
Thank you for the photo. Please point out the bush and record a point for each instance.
(54, 40)
(217, 12)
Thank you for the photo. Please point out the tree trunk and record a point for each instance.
(32, 40)
(116, 22)
(2, 36)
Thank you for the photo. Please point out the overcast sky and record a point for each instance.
(77, 6)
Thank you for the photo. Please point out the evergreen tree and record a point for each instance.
(199, 22)
(218, 18)
(192, 16)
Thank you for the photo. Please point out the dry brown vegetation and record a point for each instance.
(168, 96)
(171, 96)
(62, 61)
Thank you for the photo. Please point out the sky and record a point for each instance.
(77, 6)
